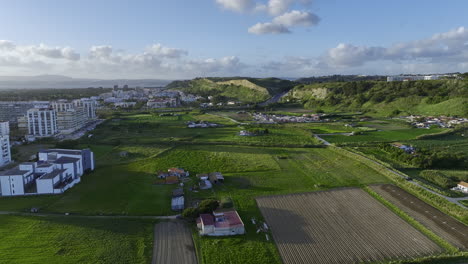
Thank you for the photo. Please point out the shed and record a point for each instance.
(177, 203)
(178, 192)
(216, 177)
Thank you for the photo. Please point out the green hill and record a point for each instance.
(251, 90)
(440, 97)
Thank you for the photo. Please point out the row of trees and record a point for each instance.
(424, 158)
(357, 93)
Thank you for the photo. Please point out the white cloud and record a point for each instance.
(237, 5)
(441, 47)
(281, 24)
(167, 52)
(297, 18)
(268, 28)
(6, 45)
(100, 52)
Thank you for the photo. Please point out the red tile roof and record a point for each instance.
(207, 219)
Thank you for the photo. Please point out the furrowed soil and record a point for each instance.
(340, 226)
(173, 244)
(441, 224)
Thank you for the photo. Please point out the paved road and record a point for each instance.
(274, 99)
(450, 199)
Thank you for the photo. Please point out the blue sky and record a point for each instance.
(221, 37)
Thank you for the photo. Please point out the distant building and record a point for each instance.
(162, 103)
(10, 111)
(42, 122)
(89, 106)
(46, 176)
(71, 120)
(402, 78)
(124, 104)
(5, 151)
(4, 128)
(220, 223)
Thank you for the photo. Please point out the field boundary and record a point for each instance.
(436, 200)
(413, 222)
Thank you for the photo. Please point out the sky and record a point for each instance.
(180, 39)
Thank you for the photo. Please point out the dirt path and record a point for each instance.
(168, 217)
(173, 244)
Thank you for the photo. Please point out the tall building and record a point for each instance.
(89, 106)
(5, 152)
(71, 120)
(4, 128)
(71, 116)
(42, 122)
(10, 111)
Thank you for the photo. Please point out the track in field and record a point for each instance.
(455, 232)
(173, 244)
(340, 226)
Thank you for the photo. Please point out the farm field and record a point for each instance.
(383, 136)
(340, 226)
(74, 240)
(444, 226)
(173, 244)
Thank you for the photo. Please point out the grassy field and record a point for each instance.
(383, 136)
(73, 240)
(291, 171)
(253, 166)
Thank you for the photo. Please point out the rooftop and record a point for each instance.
(464, 184)
(63, 160)
(207, 219)
(228, 219)
(63, 151)
(51, 175)
(13, 171)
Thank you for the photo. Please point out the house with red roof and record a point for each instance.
(221, 223)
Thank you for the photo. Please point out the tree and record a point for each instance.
(208, 206)
(190, 213)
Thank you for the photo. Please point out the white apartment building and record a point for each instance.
(88, 105)
(4, 128)
(42, 122)
(5, 152)
(71, 120)
(52, 174)
(402, 78)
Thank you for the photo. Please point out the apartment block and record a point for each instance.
(54, 173)
(42, 122)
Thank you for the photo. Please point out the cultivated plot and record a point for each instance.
(173, 244)
(441, 224)
(340, 226)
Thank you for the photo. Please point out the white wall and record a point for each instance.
(45, 186)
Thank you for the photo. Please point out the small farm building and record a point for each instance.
(220, 223)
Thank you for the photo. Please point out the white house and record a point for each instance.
(220, 223)
(463, 186)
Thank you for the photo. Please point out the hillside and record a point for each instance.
(249, 90)
(441, 97)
